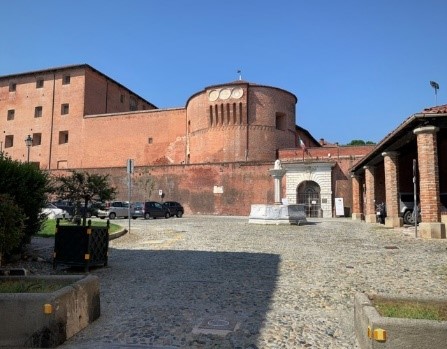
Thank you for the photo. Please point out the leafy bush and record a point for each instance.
(28, 186)
(12, 223)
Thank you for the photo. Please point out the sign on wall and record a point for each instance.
(339, 207)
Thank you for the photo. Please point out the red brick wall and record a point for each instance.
(24, 101)
(193, 186)
(217, 129)
(109, 140)
(103, 96)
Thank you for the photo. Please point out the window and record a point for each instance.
(65, 108)
(150, 140)
(9, 141)
(12, 87)
(133, 104)
(66, 80)
(280, 121)
(63, 137)
(39, 83)
(38, 112)
(37, 139)
(122, 98)
(11, 114)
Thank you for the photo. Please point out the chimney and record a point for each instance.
(322, 142)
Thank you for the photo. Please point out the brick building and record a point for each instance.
(412, 150)
(213, 155)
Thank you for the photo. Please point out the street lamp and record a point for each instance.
(29, 143)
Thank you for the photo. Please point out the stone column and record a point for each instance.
(277, 174)
(370, 208)
(357, 213)
(431, 226)
(391, 164)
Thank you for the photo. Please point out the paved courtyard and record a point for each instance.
(220, 282)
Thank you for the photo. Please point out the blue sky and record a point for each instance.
(358, 68)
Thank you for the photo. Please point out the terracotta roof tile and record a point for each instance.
(440, 109)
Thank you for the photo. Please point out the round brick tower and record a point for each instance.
(239, 121)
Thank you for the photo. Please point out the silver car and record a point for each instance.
(119, 209)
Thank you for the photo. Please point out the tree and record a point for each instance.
(12, 227)
(83, 187)
(359, 142)
(28, 186)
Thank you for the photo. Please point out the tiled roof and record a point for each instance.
(440, 109)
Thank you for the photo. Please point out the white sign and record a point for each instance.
(160, 192)
(339, 207)
(217, 189)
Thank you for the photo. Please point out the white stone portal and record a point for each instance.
(320, 173)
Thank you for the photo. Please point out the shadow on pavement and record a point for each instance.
(173, 298)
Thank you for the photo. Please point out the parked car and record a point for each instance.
(70, 207)
(137, 209)
(154, 209)
(53, 212)
(406, 207)
(175, 208)
(118, 209)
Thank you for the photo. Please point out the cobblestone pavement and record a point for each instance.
(220, 282)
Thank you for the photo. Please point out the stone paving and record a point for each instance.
(220, 282)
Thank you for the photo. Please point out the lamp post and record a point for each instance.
(29, 143)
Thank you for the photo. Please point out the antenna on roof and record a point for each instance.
(240, 74)
(435, 85)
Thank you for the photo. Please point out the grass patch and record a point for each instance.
(49, 227)
(411, 309)
(28, 286)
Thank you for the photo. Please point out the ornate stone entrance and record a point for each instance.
(310, 184)
(308, 193)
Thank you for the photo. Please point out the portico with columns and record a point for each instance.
(387, 171)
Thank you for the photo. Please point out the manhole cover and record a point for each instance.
(218, 325)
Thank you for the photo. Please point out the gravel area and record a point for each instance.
(220, 282)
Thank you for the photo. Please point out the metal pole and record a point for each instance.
(130, 169)
(27, 158)
(129, 184)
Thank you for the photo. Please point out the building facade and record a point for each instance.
(213, 155)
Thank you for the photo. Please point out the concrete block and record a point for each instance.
(375, 331)
(277, 214)
(433, 230)
(45, 320)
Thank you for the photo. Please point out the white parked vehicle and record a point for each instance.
(53, 212)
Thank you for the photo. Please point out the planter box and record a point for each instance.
(45, 320)
(375, 331)
(82, 246)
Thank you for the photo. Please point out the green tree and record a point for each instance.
(12, 225)
(28, 186)
(83, 187)
(359, 142)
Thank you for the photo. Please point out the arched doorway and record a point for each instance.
(308, 193)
